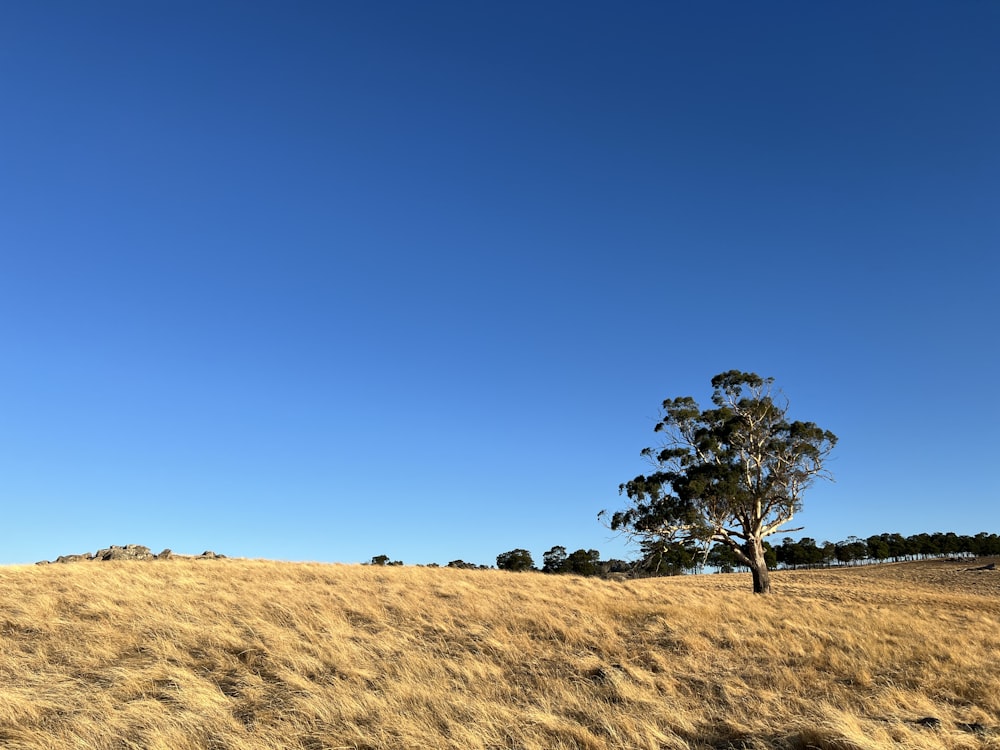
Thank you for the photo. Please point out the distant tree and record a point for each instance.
(380, 560)
(554, 559)
(896, 544)
(842, 553)
(721, 556)
(858, 548)
(947, 542)
(515, 560)
(921, 545)
(812, 553)
(615, 565)
(828, 552)
(462, 565)
(966, 544)
(733, 474)
(790, 553)
(985, 545)
(770, 556)
(938, 541)
(878, 548)
(583, 562)
(661, 558)
(805, 551)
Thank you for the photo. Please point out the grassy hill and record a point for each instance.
(193, 654)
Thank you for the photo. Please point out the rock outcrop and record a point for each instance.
(130, 552)
(74, 558)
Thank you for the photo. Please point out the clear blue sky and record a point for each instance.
(320, 281)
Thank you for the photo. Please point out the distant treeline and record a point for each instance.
(883, 547)
(583, 562)
(663, 559)
(807, 552)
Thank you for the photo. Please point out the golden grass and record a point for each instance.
(190, 654)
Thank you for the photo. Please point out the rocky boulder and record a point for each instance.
(128, 552)
(74, 558)
(131, 552)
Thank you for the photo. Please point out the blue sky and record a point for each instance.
(321, 281)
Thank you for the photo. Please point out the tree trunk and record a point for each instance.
(758, 567)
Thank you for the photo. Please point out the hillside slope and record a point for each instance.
(189, 654)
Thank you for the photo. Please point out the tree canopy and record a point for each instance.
(516, 560)
(733, 474)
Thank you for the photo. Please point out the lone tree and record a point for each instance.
(516, 560)
(734, 474)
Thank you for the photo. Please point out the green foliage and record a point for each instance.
(795, 554)
(663, 558)
(722, 557)
(878, 548)
(583, 562)
(851, 550)
(515, 560)
(984, 544)
(554, 559)
(733, 474)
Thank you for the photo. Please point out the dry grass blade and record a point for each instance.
(252, 654)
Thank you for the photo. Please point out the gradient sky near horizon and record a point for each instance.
(321, 281)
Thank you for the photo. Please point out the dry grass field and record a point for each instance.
(189, 654)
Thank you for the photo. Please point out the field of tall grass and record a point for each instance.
(202, 654)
